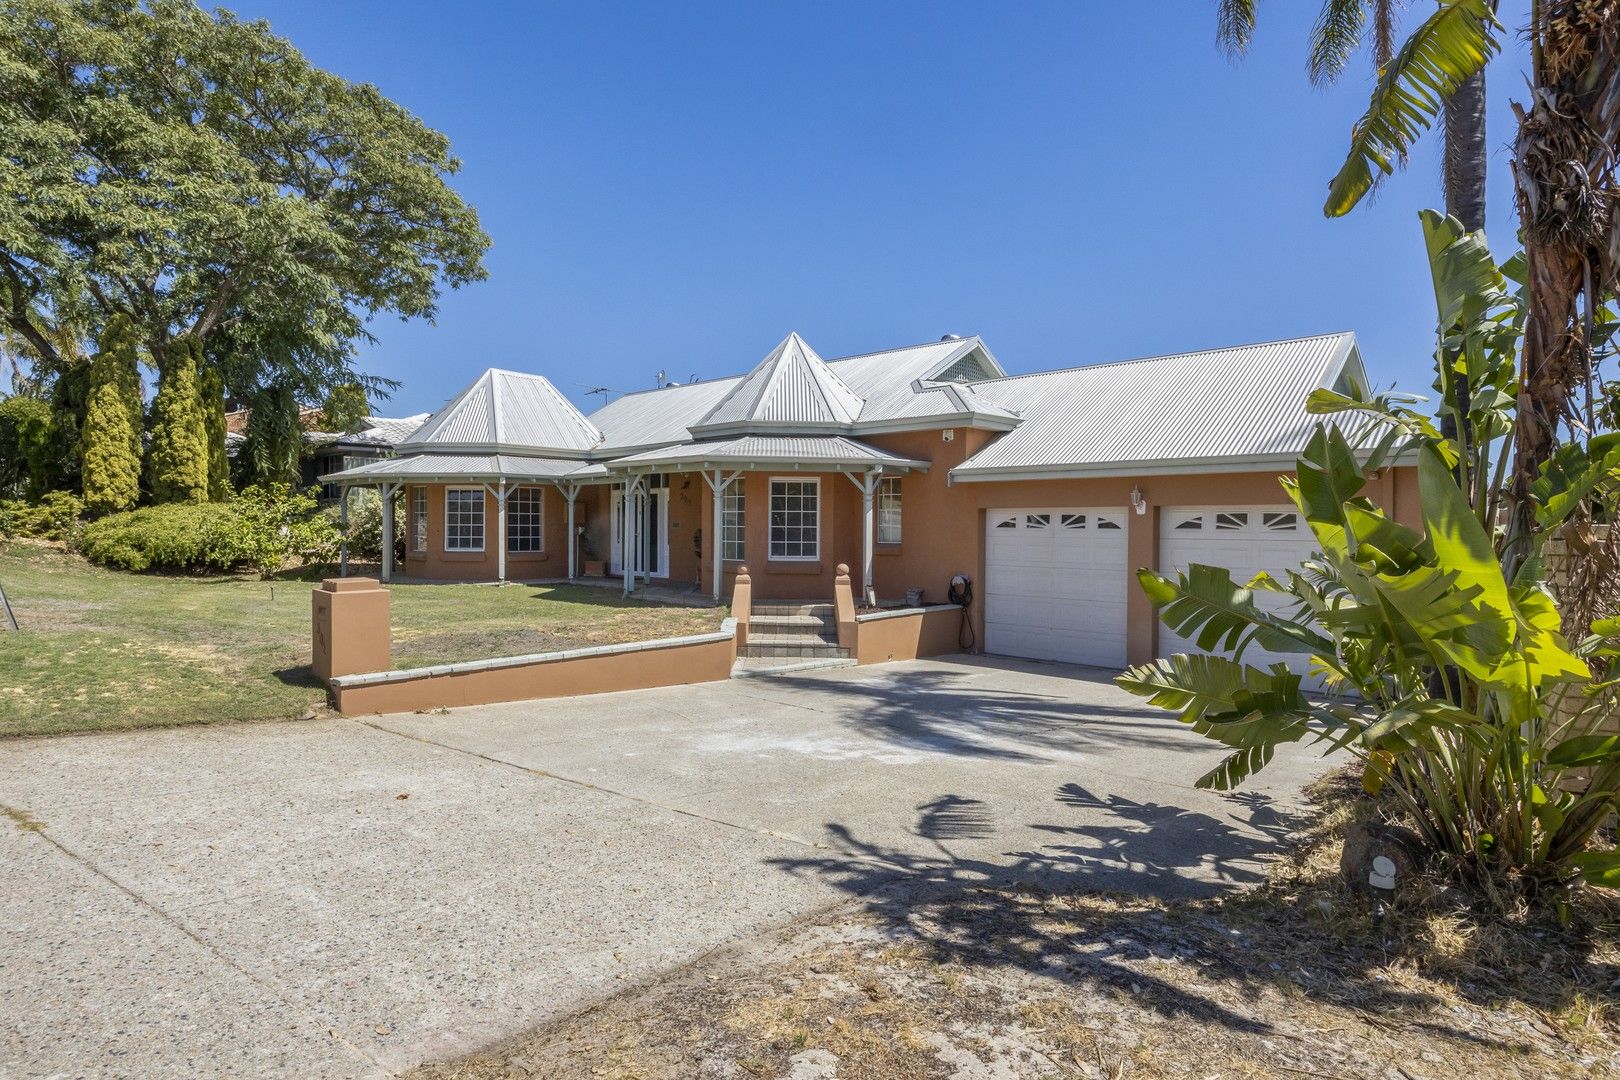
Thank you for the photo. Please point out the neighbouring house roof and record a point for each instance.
(819, 452)
(1219, 408)
(379, 431)
(507, 412)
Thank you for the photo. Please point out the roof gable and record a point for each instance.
(791, 386)
(506, 411)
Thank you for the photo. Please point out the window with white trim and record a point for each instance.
(733, 507)
(795, 519)
(464, 519)
(888, 510)
(525, 520)
(419, 519)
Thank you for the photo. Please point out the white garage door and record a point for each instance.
(1245, 540)
(1056, 584)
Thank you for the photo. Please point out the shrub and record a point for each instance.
(263, 529)
(365, 524)
(111, 435)
(54, 517)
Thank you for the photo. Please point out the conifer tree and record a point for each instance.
(211, 392)
(179, 457)
(111, 436)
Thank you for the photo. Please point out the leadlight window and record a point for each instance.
(733, 506)
(888, 510)
(419, 520)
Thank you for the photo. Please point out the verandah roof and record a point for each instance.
(453, 468)
(798, 452)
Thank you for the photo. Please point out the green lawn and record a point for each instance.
(103, 650)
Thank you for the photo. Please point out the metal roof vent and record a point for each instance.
(951, 337)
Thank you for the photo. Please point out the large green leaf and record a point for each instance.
(1573, 473)
(1598, 867)
(1585, 750)
(1449, 47)
(1233, 703)
(1459, 541)
(1205, 605)
(1467, 281)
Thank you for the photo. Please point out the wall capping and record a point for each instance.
(895, 613)
(375, 678)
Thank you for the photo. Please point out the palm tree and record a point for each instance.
(1566, 153)
(1342, 27)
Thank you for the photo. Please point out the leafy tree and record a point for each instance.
(179, 456)
(198, 175)
(26, 444)
(211, 399)
(275, 438)
(112, 424)
(345, 409)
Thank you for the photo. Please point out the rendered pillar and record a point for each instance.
(349, 627)
(500, 527)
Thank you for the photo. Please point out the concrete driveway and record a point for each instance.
(351, 897)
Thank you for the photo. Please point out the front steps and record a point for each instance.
(790, 635)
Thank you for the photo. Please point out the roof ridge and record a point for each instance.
(904, 348)
(1159, 356)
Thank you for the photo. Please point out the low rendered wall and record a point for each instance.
(907, 634)
(636, 666)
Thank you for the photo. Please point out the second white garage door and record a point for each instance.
(1056, 582)
(1245, 540)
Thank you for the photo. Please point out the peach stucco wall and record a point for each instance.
(677, 664)
(930, 632)
(438, 564)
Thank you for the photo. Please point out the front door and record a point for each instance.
(652, 556)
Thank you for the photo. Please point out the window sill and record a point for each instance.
(887, 549)
(463, 556)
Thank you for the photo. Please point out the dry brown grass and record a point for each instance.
(1294, 978)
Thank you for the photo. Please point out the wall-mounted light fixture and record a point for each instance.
(1138, 503)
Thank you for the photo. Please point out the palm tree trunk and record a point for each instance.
(1465, 154)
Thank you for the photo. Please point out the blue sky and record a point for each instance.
(676, 187)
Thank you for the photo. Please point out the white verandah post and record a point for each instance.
(343, 527)
(387, 492)
(500, 493)
(718, 482)
(571, 492)
(867, 482)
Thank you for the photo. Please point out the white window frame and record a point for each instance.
(419, 520)
(814, 483)
(513, 516)
(888, 490)
(733, 521)
(483, 521)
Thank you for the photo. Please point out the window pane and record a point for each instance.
(731, 520)
(524, 525)
(795, 519)
(888, 510)
(464, 519)
(419, 519)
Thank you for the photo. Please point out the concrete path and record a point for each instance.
(350, 897)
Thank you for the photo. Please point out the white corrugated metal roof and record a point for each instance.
(1245, 403)
(831, 451)
(791, 386)
(507, 411)
(452, 467)
(657, 417)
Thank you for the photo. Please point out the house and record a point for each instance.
(332, 451)
(911, 465)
